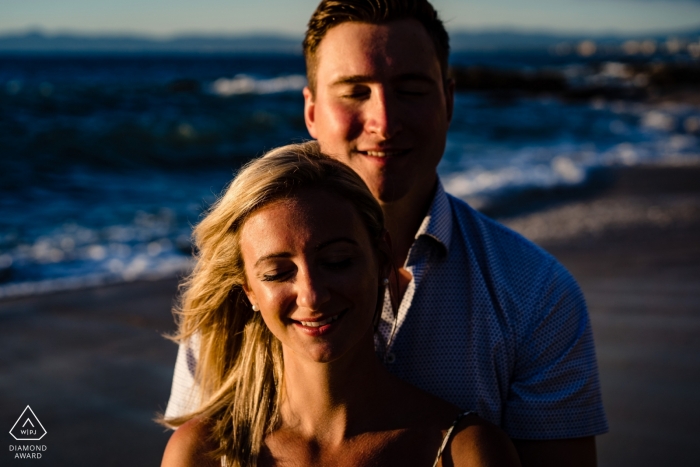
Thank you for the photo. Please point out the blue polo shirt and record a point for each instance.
(494, 324)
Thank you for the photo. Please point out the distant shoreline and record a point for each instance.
(488, 40)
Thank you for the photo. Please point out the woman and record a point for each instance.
(284, 299)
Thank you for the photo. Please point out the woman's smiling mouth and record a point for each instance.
(319, 327)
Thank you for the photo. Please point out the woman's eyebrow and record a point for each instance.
(262, 259)
(322, 245)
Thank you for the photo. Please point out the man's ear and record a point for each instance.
(449, 97)
(310, 112)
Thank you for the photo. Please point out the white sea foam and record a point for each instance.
(137, 269)
(71, 256)
(568, 168)
(244, 84)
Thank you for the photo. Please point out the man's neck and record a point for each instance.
(404, 217)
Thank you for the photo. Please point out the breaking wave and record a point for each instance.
(244, 84)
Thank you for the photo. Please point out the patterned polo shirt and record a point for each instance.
(494, 324)
(489, 322)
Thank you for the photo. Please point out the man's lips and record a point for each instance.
(382, 153)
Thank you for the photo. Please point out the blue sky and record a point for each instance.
(168, 17)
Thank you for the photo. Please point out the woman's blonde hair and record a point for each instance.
(239, 365)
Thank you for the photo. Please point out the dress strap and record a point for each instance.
(448, 436)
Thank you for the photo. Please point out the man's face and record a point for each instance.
(381, 105)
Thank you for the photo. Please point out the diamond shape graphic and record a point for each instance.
(28, 427)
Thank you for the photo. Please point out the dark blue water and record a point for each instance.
(106, 162)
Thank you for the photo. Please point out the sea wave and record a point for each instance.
(160, 270)
(108, 163)
(244, 84)
(481, 186)
(72, 256)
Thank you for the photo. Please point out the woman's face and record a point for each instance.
(312, 271)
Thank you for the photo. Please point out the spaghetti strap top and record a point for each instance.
(448, 436)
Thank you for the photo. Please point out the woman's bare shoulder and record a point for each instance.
(190, 446)
(477, 442)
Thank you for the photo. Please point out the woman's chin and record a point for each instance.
(333, 351)
(322, 354)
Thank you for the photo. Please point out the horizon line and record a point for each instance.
(145, 35)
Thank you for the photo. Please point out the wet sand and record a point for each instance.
(94, 368)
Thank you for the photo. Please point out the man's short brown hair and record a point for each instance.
(330, 13)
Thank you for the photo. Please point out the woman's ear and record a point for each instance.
(250, 295)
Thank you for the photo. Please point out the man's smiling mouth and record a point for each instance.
(384, 153)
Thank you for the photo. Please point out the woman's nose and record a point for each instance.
(312, 293)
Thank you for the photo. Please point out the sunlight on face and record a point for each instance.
(313, 272)
(381, 105)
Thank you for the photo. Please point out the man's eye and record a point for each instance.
(413, 90)
(356, 92)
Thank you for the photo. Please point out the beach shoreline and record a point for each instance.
(94, 366)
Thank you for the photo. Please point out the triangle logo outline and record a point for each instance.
(28, 418)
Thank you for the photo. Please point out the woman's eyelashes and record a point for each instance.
(337, 264)
(332, 263)
(275, 276)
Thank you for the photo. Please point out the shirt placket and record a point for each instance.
(416, 264)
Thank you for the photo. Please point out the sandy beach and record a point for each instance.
(635, 252)
(94, 367)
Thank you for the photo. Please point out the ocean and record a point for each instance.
(107, 161)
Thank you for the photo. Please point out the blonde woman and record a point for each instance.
(291, 271)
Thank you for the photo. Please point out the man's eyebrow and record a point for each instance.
(415, 77)
(360, 79)
(353, 79)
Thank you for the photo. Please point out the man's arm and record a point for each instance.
(575, 452)
(554, 406)
(184, 392)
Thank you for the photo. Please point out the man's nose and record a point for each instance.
(383, 115)
(312, 292)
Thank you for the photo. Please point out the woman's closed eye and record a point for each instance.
(339, 263)
(276, 276)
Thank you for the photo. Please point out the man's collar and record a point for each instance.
(437, 224)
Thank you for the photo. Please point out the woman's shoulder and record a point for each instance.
(477, 442)
(189, 445)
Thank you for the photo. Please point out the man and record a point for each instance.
(487, 320)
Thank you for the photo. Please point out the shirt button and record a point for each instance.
(390, 357)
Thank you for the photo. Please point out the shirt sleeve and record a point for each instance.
(554, 391)
(184, 393)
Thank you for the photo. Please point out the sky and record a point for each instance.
(172, 17)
